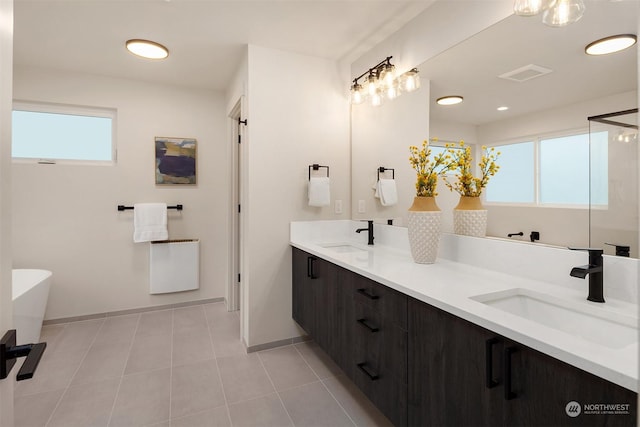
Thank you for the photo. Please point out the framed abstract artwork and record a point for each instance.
(175, 161)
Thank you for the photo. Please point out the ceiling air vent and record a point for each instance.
(525, 73)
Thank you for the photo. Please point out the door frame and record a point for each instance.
(234, 288)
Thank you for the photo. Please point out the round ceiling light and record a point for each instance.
(449, 100)
(610, 44)
(147, 49)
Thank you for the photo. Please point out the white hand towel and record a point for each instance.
(319, 194)
(376, 187)
(150, 222)
(388, 191)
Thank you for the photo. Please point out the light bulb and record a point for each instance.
(356, 94)
(372, 84)
(411, 80)
(564, 12)
(392, 91)
(388, 75)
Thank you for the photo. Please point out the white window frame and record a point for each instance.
(536, 139)
(71, 110)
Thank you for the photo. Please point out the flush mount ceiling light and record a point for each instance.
(556, 13)
(381, 82)
(503, 108)
(449, 100)
(610, 44)
(147, 49)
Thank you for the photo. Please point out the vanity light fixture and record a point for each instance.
(610, 44)
(449, 100)
(147, 49)
(381, 82)
(555, 13)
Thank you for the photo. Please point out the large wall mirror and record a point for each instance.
(551, 88)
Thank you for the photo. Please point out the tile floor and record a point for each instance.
(183, 367)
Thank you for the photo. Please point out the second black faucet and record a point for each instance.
(369, 231)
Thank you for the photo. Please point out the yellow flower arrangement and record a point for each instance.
(467, 184)
(428, 170)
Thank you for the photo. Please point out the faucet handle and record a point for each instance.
(592, 251)
(621, 250)
(595, 254)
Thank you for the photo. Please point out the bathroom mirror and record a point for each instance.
(550, 87)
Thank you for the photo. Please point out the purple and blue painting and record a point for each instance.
(175, 160)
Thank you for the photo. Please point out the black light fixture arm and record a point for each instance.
(375, 68)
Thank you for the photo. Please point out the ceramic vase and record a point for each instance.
(470, 217)
(424, 227)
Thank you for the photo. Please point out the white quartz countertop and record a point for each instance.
(450, 285)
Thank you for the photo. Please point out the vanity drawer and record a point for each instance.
(391, 304)
(379, 342)
(384, 390)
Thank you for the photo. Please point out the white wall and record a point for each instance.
(298, 115)
(65, 215)
(556, 226)
(381, 137)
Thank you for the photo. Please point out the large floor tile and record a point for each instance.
(103, 361)
(156, 323)
(226, 339)
(359, 408)
(266, 411)
(287, 368)
(52, 374)
(143, 399)
(195, 388)
(148, 353)
(188, 318)
(217, 417)
(86, 405)
(118, 330)
(244, 377)
(191, 345)
(218, 316)
(312, 405)
(319, 361)
(34, 410)
(76, 338)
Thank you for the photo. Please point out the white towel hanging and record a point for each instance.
(150, 222)
(387, 191)
(319, 191)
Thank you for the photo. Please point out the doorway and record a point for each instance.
(235, 240)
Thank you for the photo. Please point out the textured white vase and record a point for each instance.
(424, 228)
(469, 217)
(470, 223)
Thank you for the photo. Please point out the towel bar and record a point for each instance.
(126, 208)
(382, 169)
(315, 167)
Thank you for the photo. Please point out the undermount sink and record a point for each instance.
(609, 329)
(343, 248)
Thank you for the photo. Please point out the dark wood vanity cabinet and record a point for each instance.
(422, 366)
(464, 375)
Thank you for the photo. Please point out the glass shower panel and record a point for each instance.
(614, 190)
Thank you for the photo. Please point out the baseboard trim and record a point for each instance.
(276, 344)
(129, 311)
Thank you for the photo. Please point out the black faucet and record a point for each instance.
(595, 270)
(369, 231)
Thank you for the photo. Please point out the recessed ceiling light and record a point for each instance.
(503, 108)
(147, 49)
(449, 100)
(610, 44)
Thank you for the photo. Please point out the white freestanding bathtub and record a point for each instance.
(30, 294)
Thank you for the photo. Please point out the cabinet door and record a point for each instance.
(451, 362)
(539, 388)
(300, 288)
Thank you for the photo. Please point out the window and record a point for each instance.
(56, 132)
(553, 171)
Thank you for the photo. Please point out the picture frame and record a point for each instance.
(175, 160)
